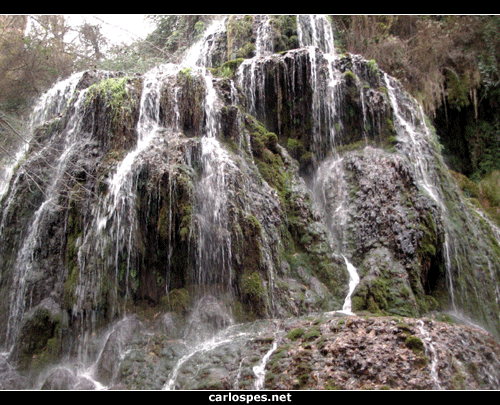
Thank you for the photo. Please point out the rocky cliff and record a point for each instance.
(281, 221)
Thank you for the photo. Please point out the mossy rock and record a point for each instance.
(178, 301)
(295, 334)
(228, 69)
(253, 288)
(38, 344)
(312, 334)
(415, 344)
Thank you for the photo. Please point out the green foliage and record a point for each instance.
(177, 301)
(415, 344)
(484, 145)
(295, 334)
(489, 58)
(458, 86)
(31, 60)
(115, 93)
(490, 188)
(175, 32)
(240, 39)
(312, 334)
(285, 32)
(137, 57)
(228, 69)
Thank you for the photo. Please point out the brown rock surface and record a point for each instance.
(385, 353)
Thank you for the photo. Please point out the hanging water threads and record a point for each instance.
(220, 225)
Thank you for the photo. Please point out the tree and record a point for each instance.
(33, 55)
(89, 49)
(174, 33)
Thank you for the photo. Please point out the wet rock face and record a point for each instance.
(10, 378)
(396, 232)
(383, 353)
(203, 204)
(319, 352)
(119, 338)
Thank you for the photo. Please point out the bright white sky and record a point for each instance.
(117, 28)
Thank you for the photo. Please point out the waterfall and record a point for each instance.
(214, 244)
(316, 31)
(26, 264)
(316, 38)
(231, 334)
(249, 198)
(415, 139)
(263, 42)
(49, 106)
(260, 369)
(199, 54)
(430, 351)
(52, 103)
(414, 135)
(7, 171)
(353, 282)
(111, 235)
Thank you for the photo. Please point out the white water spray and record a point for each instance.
(260, 369)
(430, 352)
(25, 263)
(226, 336)
(353, 282)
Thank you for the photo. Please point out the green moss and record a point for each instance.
(295, 334)
(248, 229)
(228, 69)
(304, 372)
(241, 42)
(253, 227)
(115, 92)
(468, 187)
(350, 76)
(253, 287)
(177, 300)
(372, 64)
(253, 293)
(415, 344)
(39, 345)
(284, 32)
(268, 159)
(312, 334)
(190, 102)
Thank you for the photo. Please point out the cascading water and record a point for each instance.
(414, 138)
(414, 135)
(200, 52)
(7, 171)
(214, 247)
(353, 282)
(316, 31)
(431, 353)
(263, 42)
(114, 217)
(242, 234)
(214, 244)
(26, 264)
